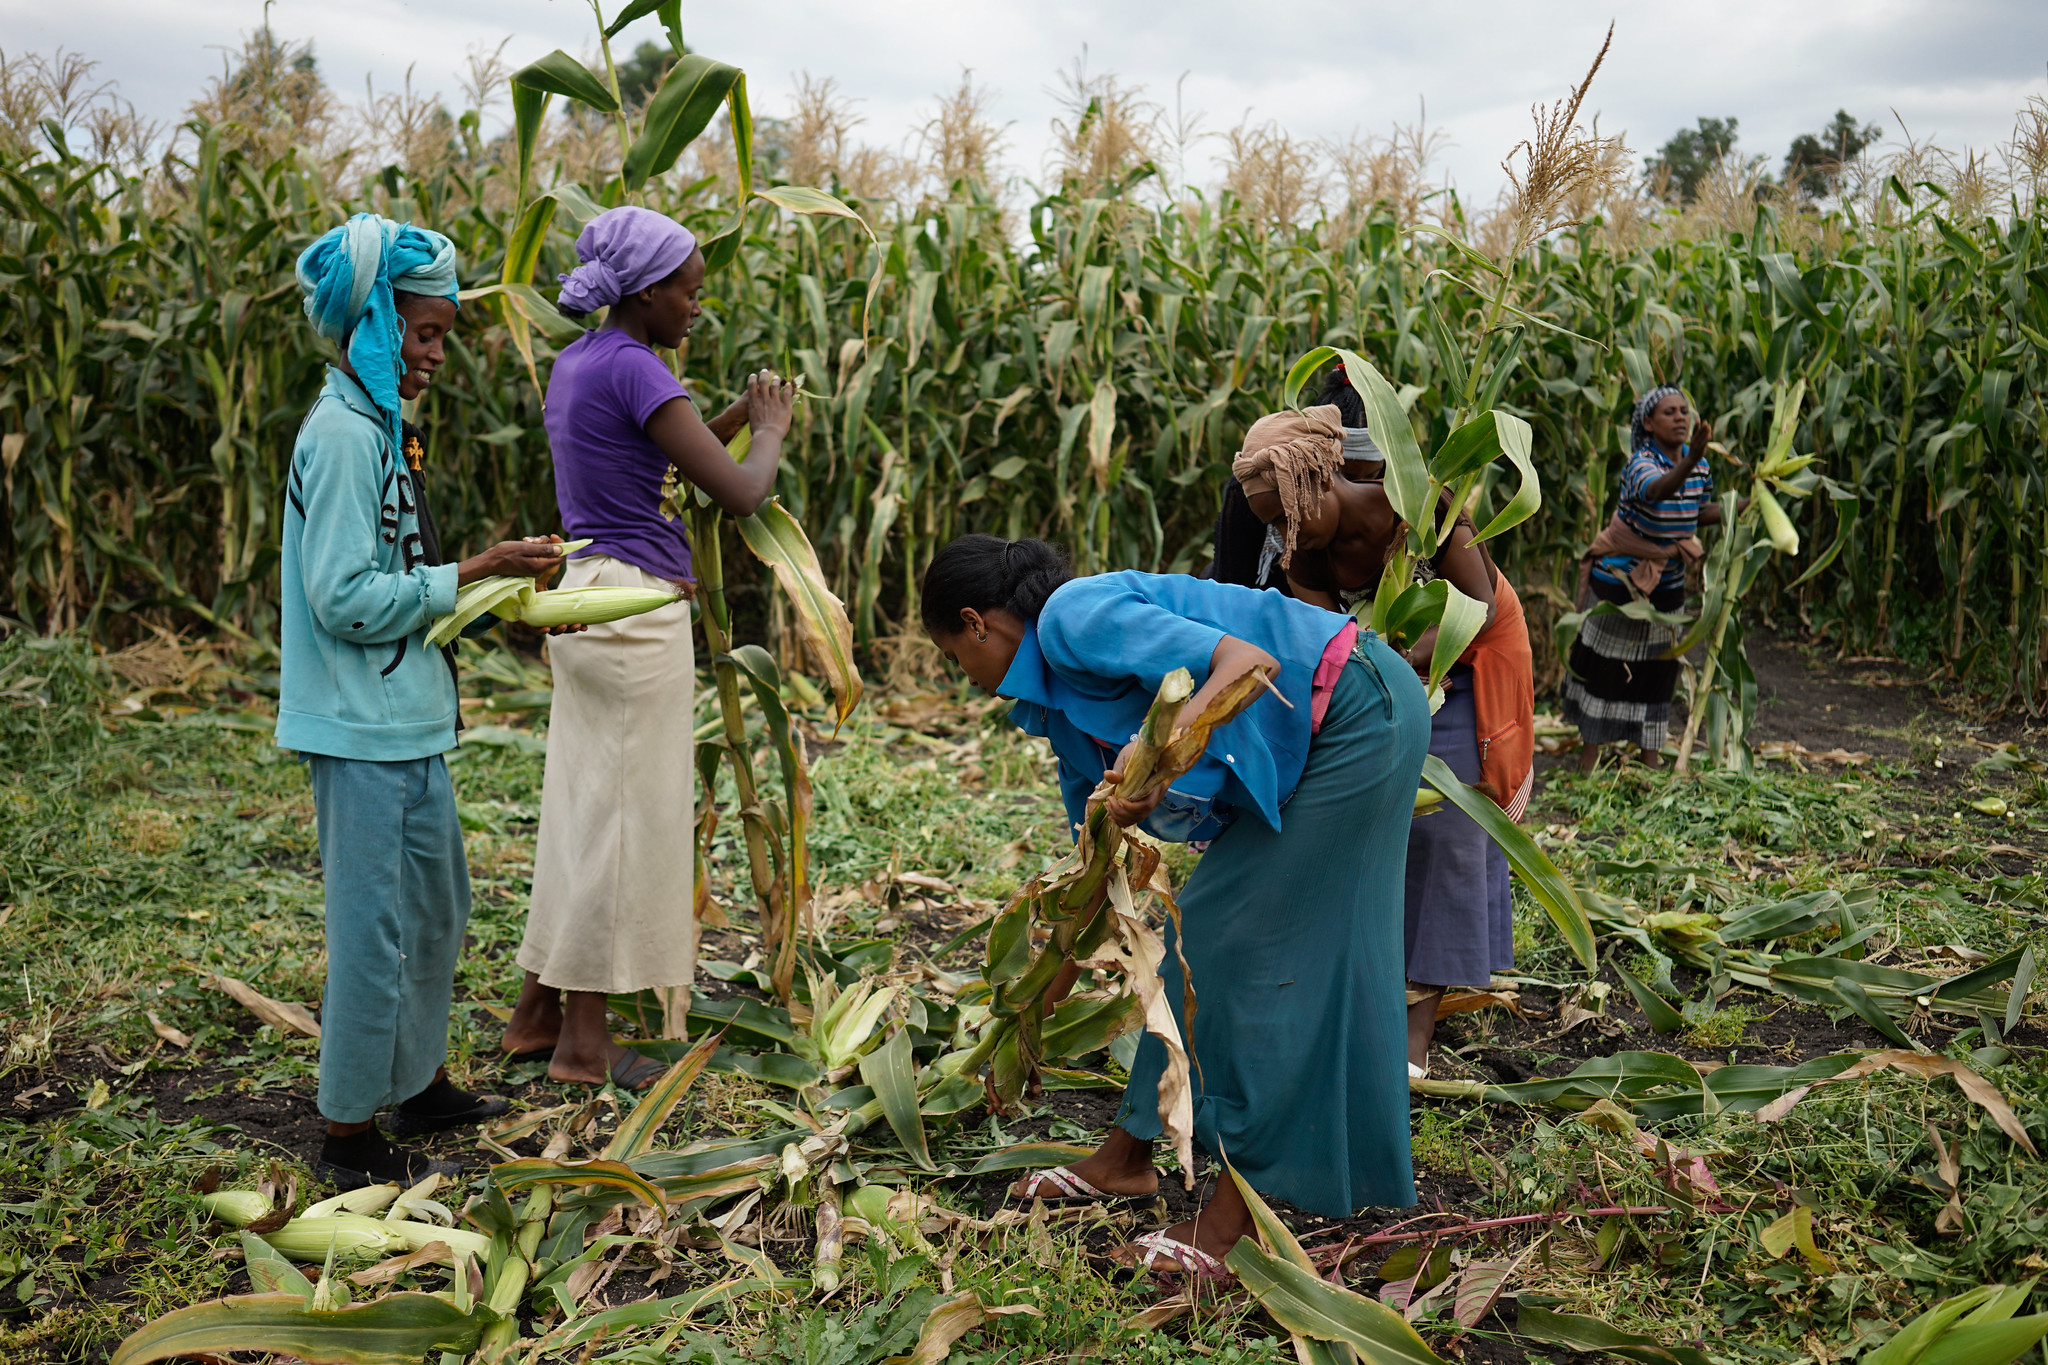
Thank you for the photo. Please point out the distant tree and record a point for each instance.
(1815, 162)
(1690, 156)
(640, 74)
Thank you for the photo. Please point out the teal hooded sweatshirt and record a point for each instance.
(359, 679)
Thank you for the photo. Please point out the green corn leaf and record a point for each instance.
(636, 1131)
(269, 1271)
(1299, 373)
(534, 307)
(635, 9)
(522, 252)
(690, 94)
(1462, 620)
(889, 1070)
(560, 74)
(1408, 483)
(1009, 944)
(779, 542)
(1580, 1333)
(2022, 982)
(1030, 1156)
(1910, 1343)
(398, 1329)
(1516, 443)
(518, 1175)
(1414, 609)
(1986, 1343)
(1851, 993)
(1663, 1018)
(529, 107)
(1556, 895)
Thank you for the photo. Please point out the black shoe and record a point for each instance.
(441, 1106)
(368, 1158)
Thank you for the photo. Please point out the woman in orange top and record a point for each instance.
(1336, 534)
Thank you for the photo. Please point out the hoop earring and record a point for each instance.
(982, 636)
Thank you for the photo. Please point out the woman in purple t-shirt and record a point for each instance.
(612, 909)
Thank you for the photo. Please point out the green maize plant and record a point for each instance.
(1081, 369)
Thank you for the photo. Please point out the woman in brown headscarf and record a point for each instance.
(1336, 536)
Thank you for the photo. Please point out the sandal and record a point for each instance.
(1069, 1188)
(1182, 1258)
(635, 1071)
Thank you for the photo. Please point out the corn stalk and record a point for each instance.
(1085, 901)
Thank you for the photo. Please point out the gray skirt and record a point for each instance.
(1460, 912)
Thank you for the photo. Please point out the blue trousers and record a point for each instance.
(397, 903)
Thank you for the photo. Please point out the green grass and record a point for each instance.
(136, 861)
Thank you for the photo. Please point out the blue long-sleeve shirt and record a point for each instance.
(1087, 671)
(359, 680)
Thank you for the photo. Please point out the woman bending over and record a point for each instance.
(1291, 923)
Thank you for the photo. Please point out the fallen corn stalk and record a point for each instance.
(1084, 903)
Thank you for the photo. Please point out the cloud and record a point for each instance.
(1955, 70)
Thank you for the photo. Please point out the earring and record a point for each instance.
(982, 636)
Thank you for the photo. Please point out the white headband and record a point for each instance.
(1358, 445)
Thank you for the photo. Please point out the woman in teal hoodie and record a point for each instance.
(370, 705)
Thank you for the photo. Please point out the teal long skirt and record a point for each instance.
(1294, 938)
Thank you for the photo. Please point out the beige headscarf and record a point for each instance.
(1295, 454)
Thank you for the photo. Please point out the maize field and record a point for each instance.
(1079, 369)
(1766, 1081)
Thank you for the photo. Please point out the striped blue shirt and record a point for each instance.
(1670, 521)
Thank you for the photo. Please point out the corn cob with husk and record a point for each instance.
(349, 1236)
(236, 1208)
(513, 598)
(1778, 466)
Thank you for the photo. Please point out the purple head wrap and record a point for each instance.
(624, 250)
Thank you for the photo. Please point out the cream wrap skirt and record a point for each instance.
(612, 873)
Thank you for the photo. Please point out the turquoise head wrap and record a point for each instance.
(348, 277)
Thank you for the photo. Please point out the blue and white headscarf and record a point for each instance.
(348, 277)
(1638, 430)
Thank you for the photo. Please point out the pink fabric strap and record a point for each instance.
(1335, 655)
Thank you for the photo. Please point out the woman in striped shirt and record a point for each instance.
(1620, 686)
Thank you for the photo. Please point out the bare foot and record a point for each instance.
(585, 1052)
(536, 1022)
(1422, 1025)
(621, 1066)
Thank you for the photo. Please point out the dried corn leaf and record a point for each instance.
(280, 1015)
(1135, 951)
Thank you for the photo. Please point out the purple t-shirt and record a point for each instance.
(608, 475)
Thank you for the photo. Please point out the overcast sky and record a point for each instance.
(1954, 70)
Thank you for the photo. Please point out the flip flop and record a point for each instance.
(635, 1070)
(1069, 1188)
(1184, 1258)
(536, 1054)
